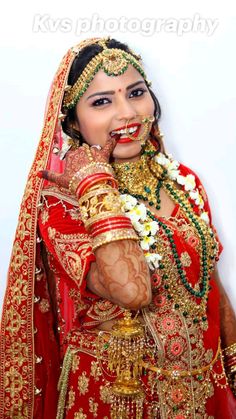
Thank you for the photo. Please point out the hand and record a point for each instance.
(76, 160)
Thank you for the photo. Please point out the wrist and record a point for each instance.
(229, 356)
(88, 173)
(101, 207)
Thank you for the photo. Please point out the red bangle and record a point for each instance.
(110, 226)
(110, 221)
(91, 180)
(230, 362)
(105, 229)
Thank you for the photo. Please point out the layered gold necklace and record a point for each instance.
(142, 179)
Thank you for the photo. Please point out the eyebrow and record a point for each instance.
(112, 92)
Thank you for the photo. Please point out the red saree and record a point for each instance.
(176, 342)
(50, 318)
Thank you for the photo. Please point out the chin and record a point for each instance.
(127, 151)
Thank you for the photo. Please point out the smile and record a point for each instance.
(121, 134)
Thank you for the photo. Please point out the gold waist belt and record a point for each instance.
(184, 373)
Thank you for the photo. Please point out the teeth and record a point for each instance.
(123, 131)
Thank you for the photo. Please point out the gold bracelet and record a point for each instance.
(91, 206)
(230, 350)
(231, 369)
(113, 235)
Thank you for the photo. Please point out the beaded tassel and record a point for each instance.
(125, 355)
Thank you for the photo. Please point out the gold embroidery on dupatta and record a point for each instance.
(44, 305)
(80, 414)
(71, 399)
(185, 259)
(93, 407)
(17, 345)
(95, 370)
(83, 383)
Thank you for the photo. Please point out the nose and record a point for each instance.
(125, 110)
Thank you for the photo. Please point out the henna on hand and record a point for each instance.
(121, 274)
(76, 160)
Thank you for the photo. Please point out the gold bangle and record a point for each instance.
(113, 235)
(231, 369)
(91, 206)
(230, 350)
(99, 191)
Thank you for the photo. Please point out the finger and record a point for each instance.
(96, 153)
(50, 176)
(109, 147)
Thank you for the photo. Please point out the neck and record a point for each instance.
(128, 160)
(139, 177)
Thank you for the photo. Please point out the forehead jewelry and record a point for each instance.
(113, 62)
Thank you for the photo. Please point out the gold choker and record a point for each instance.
(142, 179)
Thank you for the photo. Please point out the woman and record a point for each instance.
(113, 306)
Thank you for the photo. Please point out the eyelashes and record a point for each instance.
(104, 100)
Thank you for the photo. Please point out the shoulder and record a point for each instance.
(187, 178)
(200, 191)
(187, 171)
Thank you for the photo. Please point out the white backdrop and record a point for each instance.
(188, 49)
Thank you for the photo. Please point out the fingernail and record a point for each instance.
(40, 174)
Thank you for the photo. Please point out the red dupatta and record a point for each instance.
(17, 380)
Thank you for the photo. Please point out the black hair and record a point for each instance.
(79, 63)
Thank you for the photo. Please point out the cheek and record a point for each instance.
(93, 129)
(91, 126)
(150, 105)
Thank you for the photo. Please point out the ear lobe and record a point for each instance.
(75, 126)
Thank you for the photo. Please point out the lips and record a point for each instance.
(117, 132)
(134, 125)
(124, 140)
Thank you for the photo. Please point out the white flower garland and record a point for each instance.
(188, 181)
(146, 229)
(137, 212)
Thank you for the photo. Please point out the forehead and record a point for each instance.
(102, 81)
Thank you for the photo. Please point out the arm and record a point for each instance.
(118, 271)
(227, 315)
(121, 274)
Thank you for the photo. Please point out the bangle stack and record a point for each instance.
(229, 354)
(91, 169)
(100, 204)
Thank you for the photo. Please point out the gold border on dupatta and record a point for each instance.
(17, 330)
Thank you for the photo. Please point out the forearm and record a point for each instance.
(227, 316)
(227, 320)
(121, 274)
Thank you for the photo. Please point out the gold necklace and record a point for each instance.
(142, 178)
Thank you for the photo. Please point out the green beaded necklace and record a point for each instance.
(207, 252)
